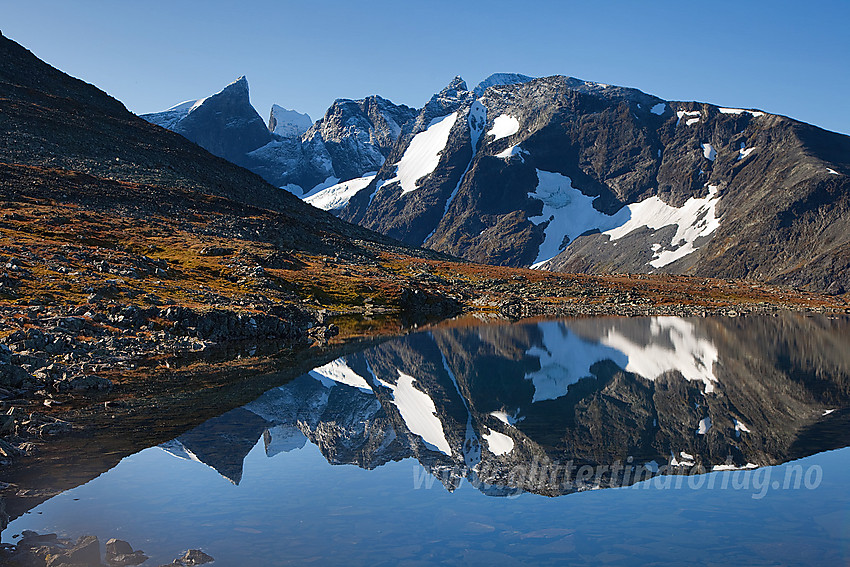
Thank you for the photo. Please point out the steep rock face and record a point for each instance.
(578, 176)
(358, 134)
(428, 159)
(225, 124)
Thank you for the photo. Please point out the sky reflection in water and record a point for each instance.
(556, 402)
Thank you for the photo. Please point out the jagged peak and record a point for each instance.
(377, 98)
(447, 100)
(455, 86)
(239, 87)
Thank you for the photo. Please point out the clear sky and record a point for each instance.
(784, 57)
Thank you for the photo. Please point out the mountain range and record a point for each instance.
(561, 174)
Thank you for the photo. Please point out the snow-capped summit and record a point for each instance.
(288, 123)
(500, 79)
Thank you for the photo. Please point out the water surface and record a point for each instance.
(594, 441)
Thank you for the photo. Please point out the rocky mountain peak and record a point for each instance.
(355, 136)
(455, 86)
(454, 96)
(500, 79)
(239, 87)
(224, 124)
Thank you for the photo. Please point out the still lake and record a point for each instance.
(659, 440)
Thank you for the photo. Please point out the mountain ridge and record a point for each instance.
(620, 147)
(496, 192)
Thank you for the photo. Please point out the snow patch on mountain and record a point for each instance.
(744, 152)
(335, 197)
(511, 152)
(659, 108)
(704, 426)
(693, 117)
(695, 219)
(476, 119)
(692, 356)
(506, 418)
(503, 126)
(564, 360)
(339, 372)
(754, 113)
(177, 449)
(687, 460)
(170, 117)
(418, 412)
(739, 427)
(329, 182)
(498, 443)
(568, 212)
(288, 123)
(709, 152)
(729, 467)
(423, 154)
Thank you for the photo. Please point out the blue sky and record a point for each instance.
(789, 58)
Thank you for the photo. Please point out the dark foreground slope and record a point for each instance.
(54, 122)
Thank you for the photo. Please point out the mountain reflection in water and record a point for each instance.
(528, 407)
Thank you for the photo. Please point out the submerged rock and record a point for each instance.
(195, 557)
(120, 553)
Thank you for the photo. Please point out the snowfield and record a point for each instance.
(696, 219)
(335, 197)
(659, 108)
(565, 359)
(423, 154)
(339, 372)
(570, 213)
(419, 413)
(498, 443)
(692, 356)
(503, 126)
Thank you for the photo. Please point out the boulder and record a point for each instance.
(91, 382)
(195, 557)
(117, 547)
